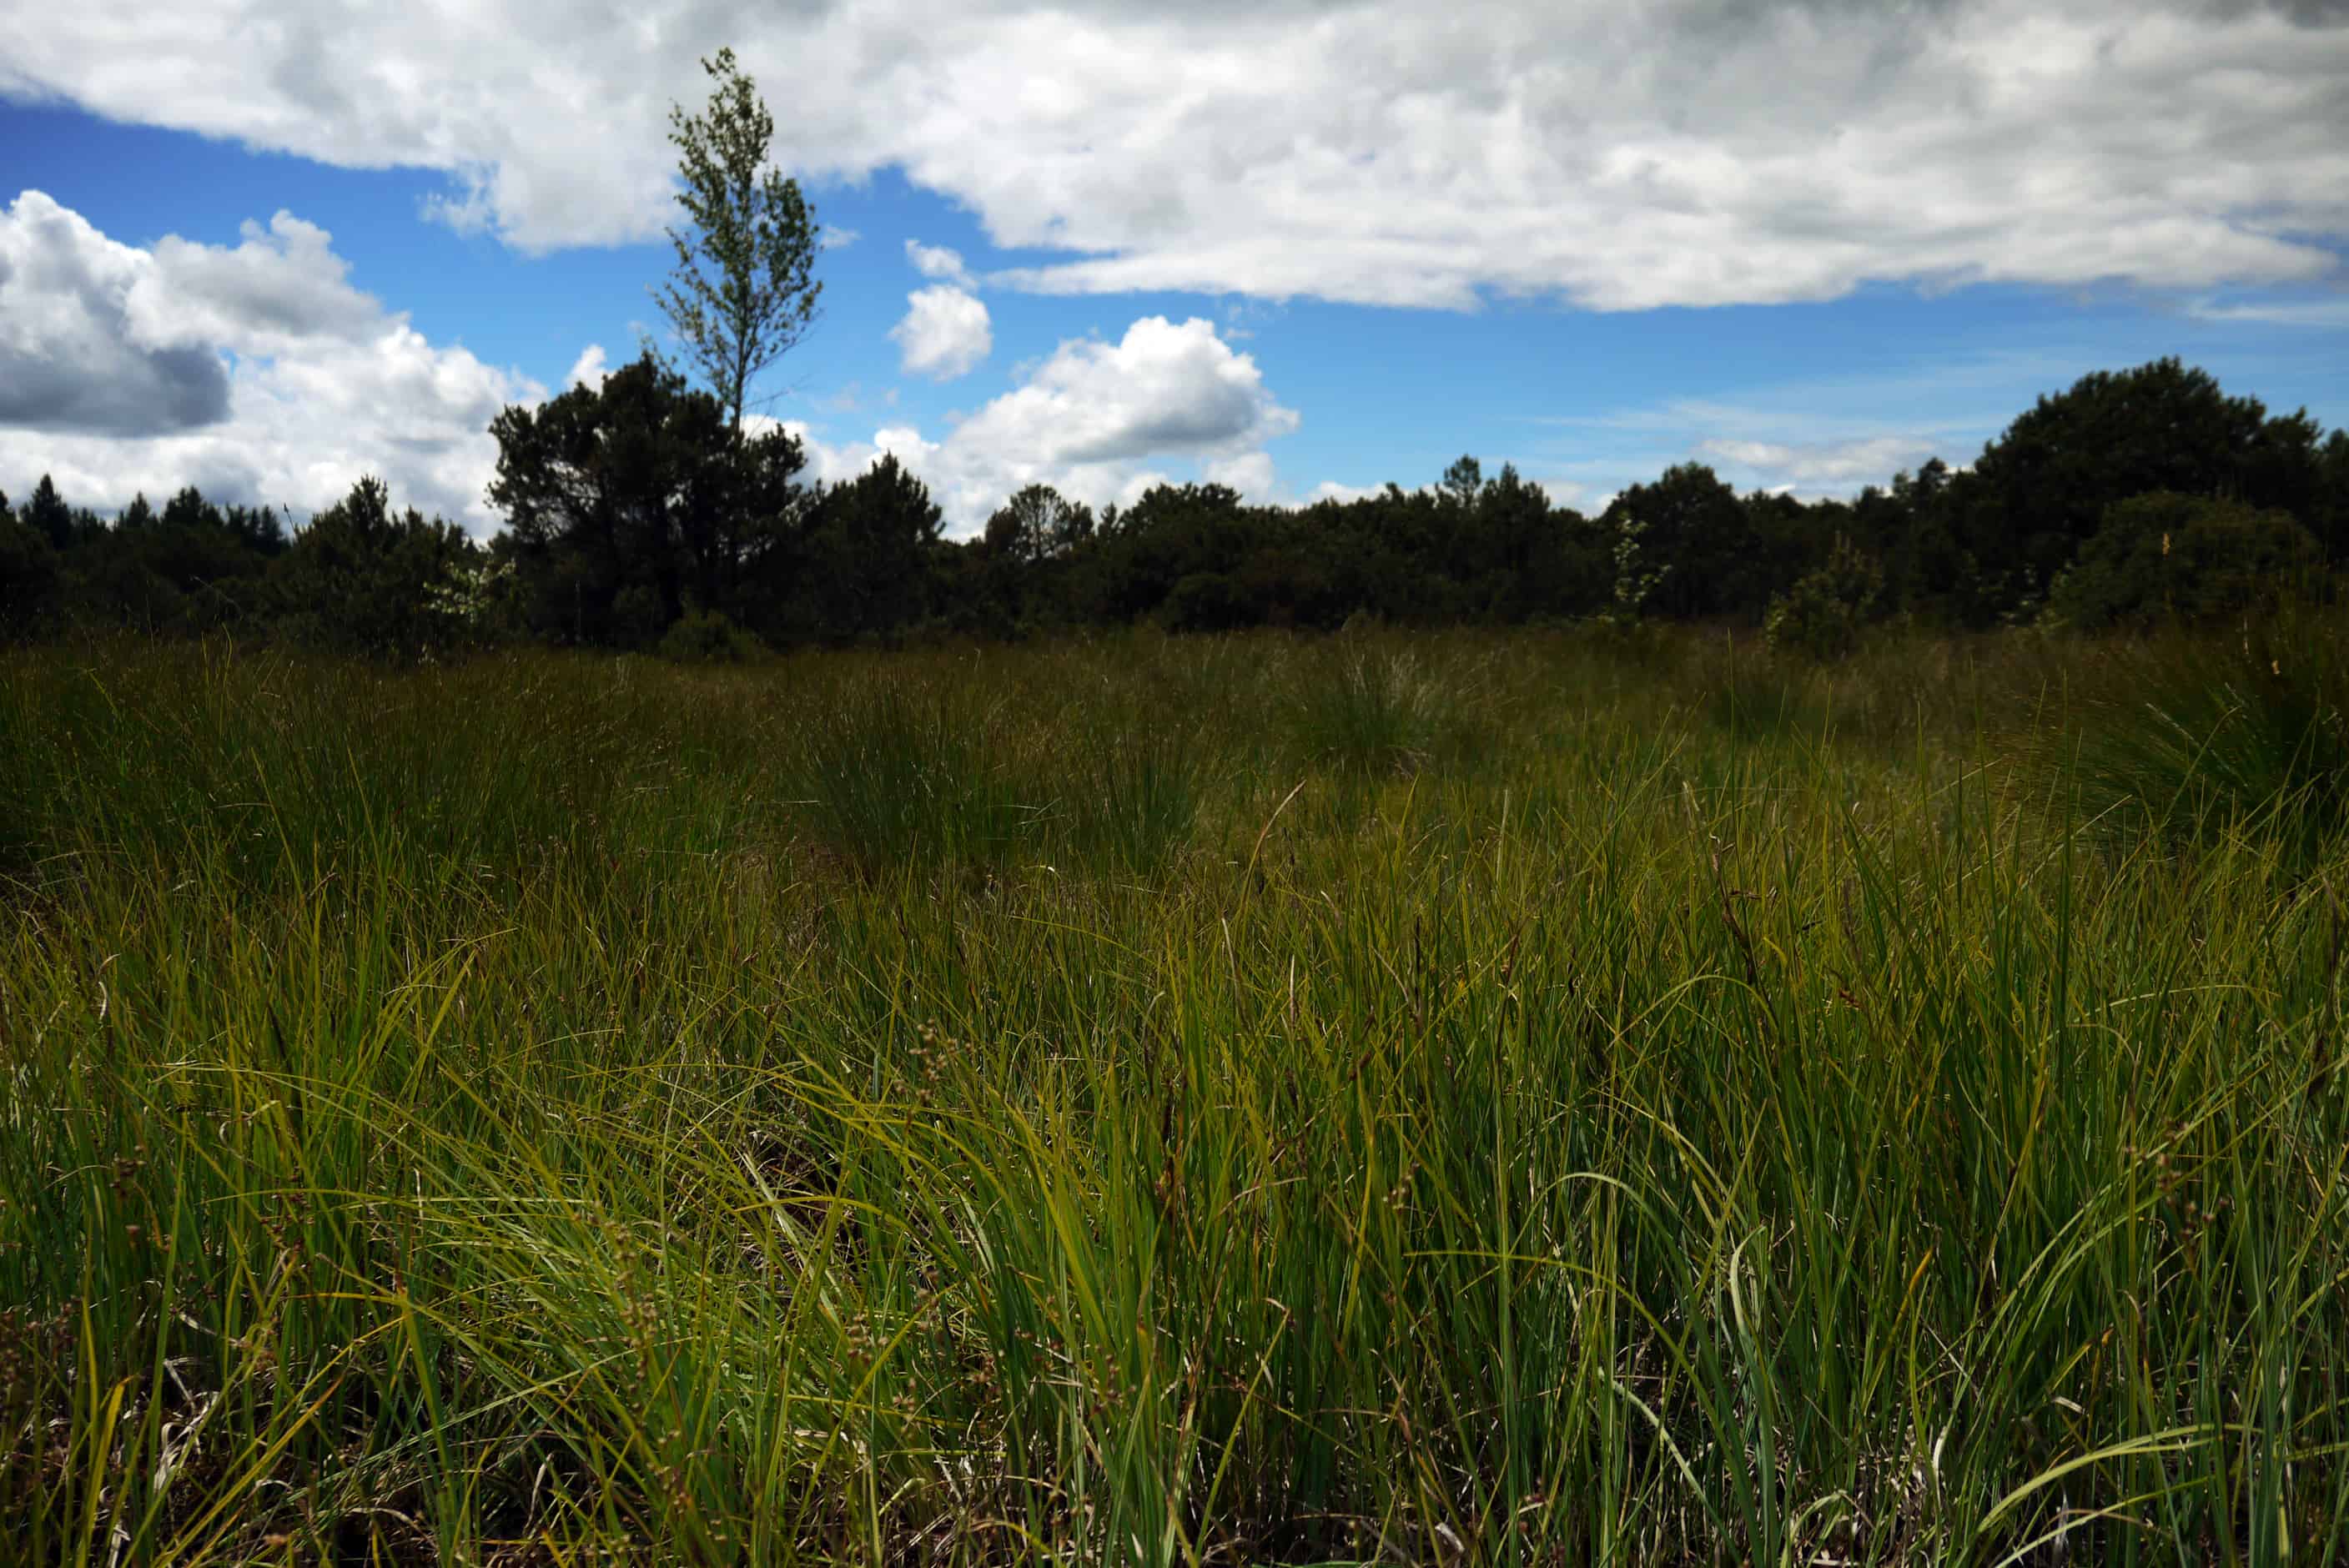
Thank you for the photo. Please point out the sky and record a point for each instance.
(1300, 247)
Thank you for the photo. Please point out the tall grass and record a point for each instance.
(553, 1110)
(2205, 738)
(895, 778)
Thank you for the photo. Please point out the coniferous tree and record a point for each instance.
(29, 575)
(866, 555)
(364, 578)
(632, 503)
(46, 514)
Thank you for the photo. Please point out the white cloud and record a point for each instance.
(282, 285)
(1829, 435)
(1098, 421)
(88, 344)
(944, 333)
(2322, 314)
(254, 371)
(589, 369)
(1675, 151)
(938, 262)
(1819, 467)
(1249, 473)
(1162, 387)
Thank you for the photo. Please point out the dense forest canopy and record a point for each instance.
(636, 516)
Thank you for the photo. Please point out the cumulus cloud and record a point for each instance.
(80, 348)
(1673, 153)
(283, 285)
(1099, 421)
(1162, 387)
(589, 369)
(945, 332)
(938, 262)
(255, 371)
(1249, 473)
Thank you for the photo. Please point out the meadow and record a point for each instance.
(1545, 1097)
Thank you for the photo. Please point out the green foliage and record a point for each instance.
(2167, 556)
(628, 503)
(46, 514)
(1205, 602)
(362, 579)
(1821, 615)
(861, 562)
(1684, 548)
(743, 291)
(708, 637)
(2040, 491)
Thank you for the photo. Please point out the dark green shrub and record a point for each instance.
(708, 637)
(1820, 617)
(363, 578)
(1204, 602)
(2165, 556)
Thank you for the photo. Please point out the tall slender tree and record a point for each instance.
(743, 291)
(46, 514)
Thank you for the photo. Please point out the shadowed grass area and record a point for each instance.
(1443, 1100)
(2204, 740)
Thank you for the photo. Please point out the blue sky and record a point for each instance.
(1308, 249)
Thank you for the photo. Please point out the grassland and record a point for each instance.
(1541, 1098)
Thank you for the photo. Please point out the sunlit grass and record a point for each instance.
(1454, 1099)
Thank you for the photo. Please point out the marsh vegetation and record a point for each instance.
(1495, 1098)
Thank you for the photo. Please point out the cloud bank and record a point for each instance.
(255, 371)
(1688, 152)
(258, 373)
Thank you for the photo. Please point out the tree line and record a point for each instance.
(639, 516)
(644, 514)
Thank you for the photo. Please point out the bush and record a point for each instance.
(1821, 615)
(2165, 556)
(708, 637)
